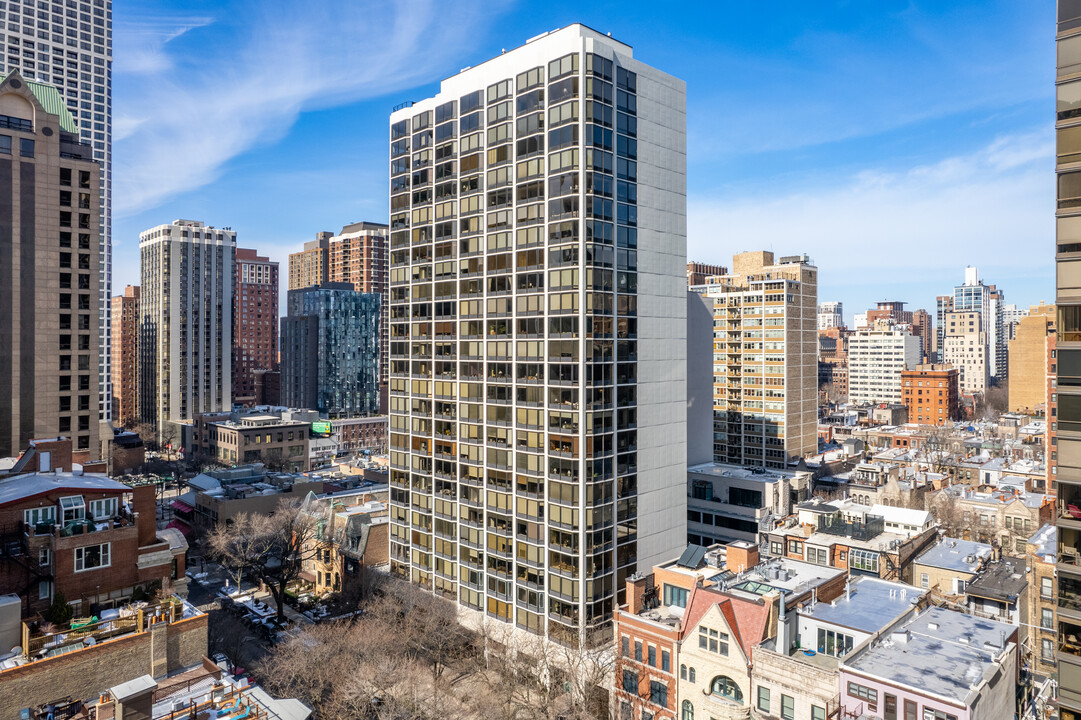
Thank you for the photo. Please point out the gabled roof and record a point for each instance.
(747, 620)
(51, 101)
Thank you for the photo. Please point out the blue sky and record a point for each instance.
(894, 142)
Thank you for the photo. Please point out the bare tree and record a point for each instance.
(945, 508)
(274, 548)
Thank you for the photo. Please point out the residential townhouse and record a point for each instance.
(942, 665)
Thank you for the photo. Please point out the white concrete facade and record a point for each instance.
(580, 308)
(875, 361)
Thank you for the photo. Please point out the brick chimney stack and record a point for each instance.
(146, 505)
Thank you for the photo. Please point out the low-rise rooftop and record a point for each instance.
(940, 652)
(869, 604)
(1000, 580)
(23, 487)
(721, 470)
(956, 555)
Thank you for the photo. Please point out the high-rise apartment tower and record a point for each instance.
(125, 349)
(765, 367)
(1065, 364)
(538, 332)
(255, 322)
(49, 299)
(69, 45)
(186, 323)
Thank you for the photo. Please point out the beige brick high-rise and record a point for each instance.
(125, 350)
(1030, 351)
(765, 369)
(310, 266)
(49, 272)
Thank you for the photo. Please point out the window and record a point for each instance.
(932, 714)
(818, 556)
(624, 710)
(818, 713)
(795, 547)
(44, 558)
(682, 672)
(1047, 588)
(1047, 650)
(44, 590)
(73, 508)
(862, 692)
(713, 640)
(630, 681)
(1047, 618)
(92, 557)
(925, 581)
(40, 515)
(687, 712)
(889, 712)
(103, 509)
(658, 693)
(763, 699)
(865, 560)
(666, 661)
(652, 656)
(690, 675)
(5, 144)
(626, 646)
(834, 643)
(26, 147)
(674, 595)
(788, 707)
(726, 687)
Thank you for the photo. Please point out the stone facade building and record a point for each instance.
(50, 261)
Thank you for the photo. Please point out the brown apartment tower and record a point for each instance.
(125, 352)
(255, 325)
(49, 279)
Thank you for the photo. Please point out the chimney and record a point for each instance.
(784, 637)
(740, 555)
(636, 591)
(135, 698)
(145, 504)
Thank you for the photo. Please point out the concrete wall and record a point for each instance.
(699, 379)
(85, 673)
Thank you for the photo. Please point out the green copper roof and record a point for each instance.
(50, 99)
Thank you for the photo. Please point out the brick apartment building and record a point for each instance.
(125, 355)
(931, 394)
(255, 324)
(91, 538)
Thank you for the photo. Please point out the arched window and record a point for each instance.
(691, 678)
(688, 711)
(726, 687)
(682, 672)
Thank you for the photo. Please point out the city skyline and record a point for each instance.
(858, 159)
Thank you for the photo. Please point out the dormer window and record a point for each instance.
(72, 508)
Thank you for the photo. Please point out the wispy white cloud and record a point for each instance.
(992, 207)
(194, 95)
(867, 72)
